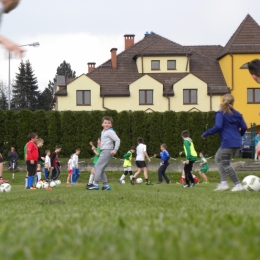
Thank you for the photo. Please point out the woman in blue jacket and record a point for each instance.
(231, 126)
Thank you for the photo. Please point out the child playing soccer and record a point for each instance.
(108, 149)
(75, 167)
(127, 164)
(31, 159)
(191, 157)
(182, 179)
(70, 167)
(204, 167)
(97, 152)
(47, 165)
(140, 162)
(40, 163)
(164, 156)
(55, 164)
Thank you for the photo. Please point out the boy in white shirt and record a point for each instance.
(75, 167)
(47, 164)
(70, 168)
(140, 162)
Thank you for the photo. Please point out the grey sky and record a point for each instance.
(80, 31)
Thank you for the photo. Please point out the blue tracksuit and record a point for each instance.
(230, 128)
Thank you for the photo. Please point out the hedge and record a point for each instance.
(74, 130)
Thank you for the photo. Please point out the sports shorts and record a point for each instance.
(140, 164)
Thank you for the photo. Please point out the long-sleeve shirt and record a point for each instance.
(164, 156)
(108, 137)
(12, 156)
(75, 161)
(231, 128)
(32, 151)
(54, 160)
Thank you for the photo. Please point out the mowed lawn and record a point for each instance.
(129, 222)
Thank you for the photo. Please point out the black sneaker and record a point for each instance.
(168, 182)
(192, 184)
(148, 183)
(132, 181)
(92, 187)
(186, 186)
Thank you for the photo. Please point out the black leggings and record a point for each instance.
(188, 174)
(31, 168)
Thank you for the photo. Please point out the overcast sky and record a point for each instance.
(81, 31)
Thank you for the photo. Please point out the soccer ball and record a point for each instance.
(139, 180)
(5, 187)
(45, 185)
(39, 185)
(58, 182)
(122, 182)
(52, 184)
(251, 183)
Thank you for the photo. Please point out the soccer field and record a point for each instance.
(129, 222)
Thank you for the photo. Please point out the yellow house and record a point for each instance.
(154, 74)
(243, 47)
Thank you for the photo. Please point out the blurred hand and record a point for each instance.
(12, 47)
(113, 152)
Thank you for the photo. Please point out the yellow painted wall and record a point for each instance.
(243, 81)
(81, 83)
(181, 63)
(192, 82)
(226, 67)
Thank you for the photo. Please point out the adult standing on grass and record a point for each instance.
(231, 126)
(12, 157)
(5, 7)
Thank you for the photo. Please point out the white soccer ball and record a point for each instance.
(139, 180)
(52, 184)
(251, 183)
(58, 182)
(45, 185)
(122, 182)
(5, 187)
(39, 185)
(2, 189)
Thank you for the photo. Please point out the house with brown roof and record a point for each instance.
(154, 74)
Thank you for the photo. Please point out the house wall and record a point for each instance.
(181, 63)
(69, 102)
(192, 82)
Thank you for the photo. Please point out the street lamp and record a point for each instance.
(35, 44)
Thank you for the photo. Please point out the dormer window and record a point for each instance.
(155, 65)
(171, 64)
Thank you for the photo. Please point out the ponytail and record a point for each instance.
(227, 104)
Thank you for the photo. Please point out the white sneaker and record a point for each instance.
(237, 188)
(222, 187)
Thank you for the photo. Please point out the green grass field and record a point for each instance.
(129, 222)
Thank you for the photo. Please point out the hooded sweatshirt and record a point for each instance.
(231, 128)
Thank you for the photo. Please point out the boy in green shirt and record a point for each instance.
(96, 151)
(191, 157)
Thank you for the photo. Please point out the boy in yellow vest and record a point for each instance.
(191, 157)
(127, 164)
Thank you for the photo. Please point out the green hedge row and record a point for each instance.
(75, 129)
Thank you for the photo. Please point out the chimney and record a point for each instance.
(113, 58)
(91, 66)
(129, 40)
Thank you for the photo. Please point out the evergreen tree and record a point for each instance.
(25, 89)
(54, 129)
(2, 130)
(3, 100)
(45, 99)
(139, 124)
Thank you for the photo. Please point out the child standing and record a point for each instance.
(31, 159)
(70, 167)
(47, 165)
(75, 167)
(108, 149)
(164, 156)
(231, 126)
(140, 162)
(40, 163)
(97, 152)
(204, 167)
(127, 164)
(191, 157)
(55, 164)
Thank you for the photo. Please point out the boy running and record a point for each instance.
(55, 164)
(191, 157)
(204, 167)
(127, 164)
(164, 156)
(108, 150)
(97, 152)
(75, 167)
(140, 162)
